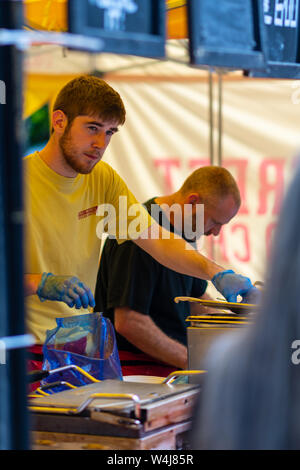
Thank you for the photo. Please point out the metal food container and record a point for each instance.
(205, 329)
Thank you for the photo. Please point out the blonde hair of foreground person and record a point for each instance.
(251, 394)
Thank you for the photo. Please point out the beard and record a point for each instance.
(72, 156)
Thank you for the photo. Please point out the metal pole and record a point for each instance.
(211, 135)
(211, 118)
(220, 117)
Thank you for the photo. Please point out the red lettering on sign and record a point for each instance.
(167, 164)
(243, 229)
(268, 187)
(241, 165)
(198, 162)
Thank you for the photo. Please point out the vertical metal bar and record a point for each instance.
(211, 118)
(11, 249)
(220, 118)
(211, 136)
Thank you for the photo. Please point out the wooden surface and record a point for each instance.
(169, 438)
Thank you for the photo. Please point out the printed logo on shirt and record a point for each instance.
(87, 212)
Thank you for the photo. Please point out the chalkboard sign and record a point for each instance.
(280, 39)
(225, 33)
(135, 27)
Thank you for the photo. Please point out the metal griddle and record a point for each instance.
(114, 408)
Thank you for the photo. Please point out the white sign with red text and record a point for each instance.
(166, 137)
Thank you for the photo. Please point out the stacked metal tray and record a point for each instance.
(118, 413)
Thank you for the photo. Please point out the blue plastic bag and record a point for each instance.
(87, 341)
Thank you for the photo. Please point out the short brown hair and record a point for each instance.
(213, 182)
(88, 95)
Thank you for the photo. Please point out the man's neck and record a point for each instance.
(169, 201)
(52, 156)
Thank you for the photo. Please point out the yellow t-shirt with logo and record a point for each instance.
(63, 225)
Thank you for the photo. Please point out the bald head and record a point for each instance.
(216, 189)
(213, 183)
(213, 190)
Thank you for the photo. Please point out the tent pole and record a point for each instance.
(220, 117)
(211, 118)
(211, 136)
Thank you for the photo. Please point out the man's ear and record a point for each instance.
(194, 198)
(59, 121)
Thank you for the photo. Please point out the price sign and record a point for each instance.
(126, 26)
(280, 39)
(226, 33)
(281, 28)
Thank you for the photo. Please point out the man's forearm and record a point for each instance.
(31, 282)
(173, 253)
(143, 333)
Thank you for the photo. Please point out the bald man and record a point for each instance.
(137, 293)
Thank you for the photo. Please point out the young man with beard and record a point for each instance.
(65, 183)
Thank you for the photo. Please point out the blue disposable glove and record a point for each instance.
(231, 285)
(66, 289)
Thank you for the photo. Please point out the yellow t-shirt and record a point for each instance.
(63, 226)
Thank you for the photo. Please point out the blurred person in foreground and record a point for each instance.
(250, 396)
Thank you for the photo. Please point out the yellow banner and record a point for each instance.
(50, 15)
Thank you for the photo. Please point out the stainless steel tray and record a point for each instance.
(133, 392)
(114, 407)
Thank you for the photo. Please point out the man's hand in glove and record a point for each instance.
(253, 296)
(66, 289)
(231, 285)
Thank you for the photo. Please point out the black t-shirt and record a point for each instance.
(129, 277)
